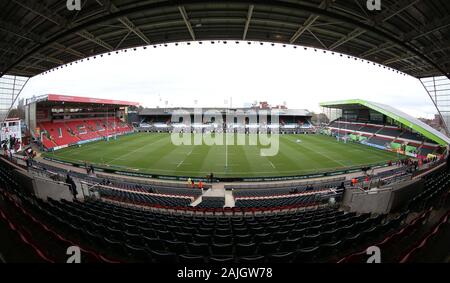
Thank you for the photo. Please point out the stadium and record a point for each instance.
(122, 183)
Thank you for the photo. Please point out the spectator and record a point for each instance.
(28, 162)
(193, 184)
(92, 169)
(200, 185)
(72, 186)
(189, 182)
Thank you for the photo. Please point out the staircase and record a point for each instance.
(197, 201)
(229, 199)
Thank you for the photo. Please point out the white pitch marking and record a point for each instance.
(120, 157)
(272, 164)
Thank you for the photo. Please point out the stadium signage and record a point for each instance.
(374, 145)
(88, 141)
(133, 174)
(60, 147)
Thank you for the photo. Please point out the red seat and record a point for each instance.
(74, 131)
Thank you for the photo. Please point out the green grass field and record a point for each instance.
(156, 154)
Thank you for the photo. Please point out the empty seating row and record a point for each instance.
(369, 129)
(379, 141)
(393, 132)
(145, 199)
(212, 202)
(411, 136)
(290, 189)
(303, 200)
(347, 126)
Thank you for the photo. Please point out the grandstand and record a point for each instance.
(59, 121)
(291, 121)
(384, 127)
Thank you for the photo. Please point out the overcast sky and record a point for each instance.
(212, 73)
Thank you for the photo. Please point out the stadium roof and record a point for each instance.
(169, 111)
(411, 36)
(79, 100)
(405, 119)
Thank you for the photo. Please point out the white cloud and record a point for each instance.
(212, 74)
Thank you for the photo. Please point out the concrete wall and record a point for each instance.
(404, 192)
(56, 190)
(383, 200)
(375, 201)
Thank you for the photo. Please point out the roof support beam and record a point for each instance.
(443, 45)
(398, 59)
(41, 10)
(89, 36)
(311, 19)
(69, 50)
(122, 40)
(398, 7)
(318, 40)
(428, 28)
(38, 8)
(377, 49)
(186, 21)
(247, 22)
(414, 67)
(126, 22)
(354, 34)
(11, 48)
(109, 6)
(35, 66)
(46, 58)
(20, 32)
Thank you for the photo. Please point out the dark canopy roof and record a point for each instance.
(412, 36)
